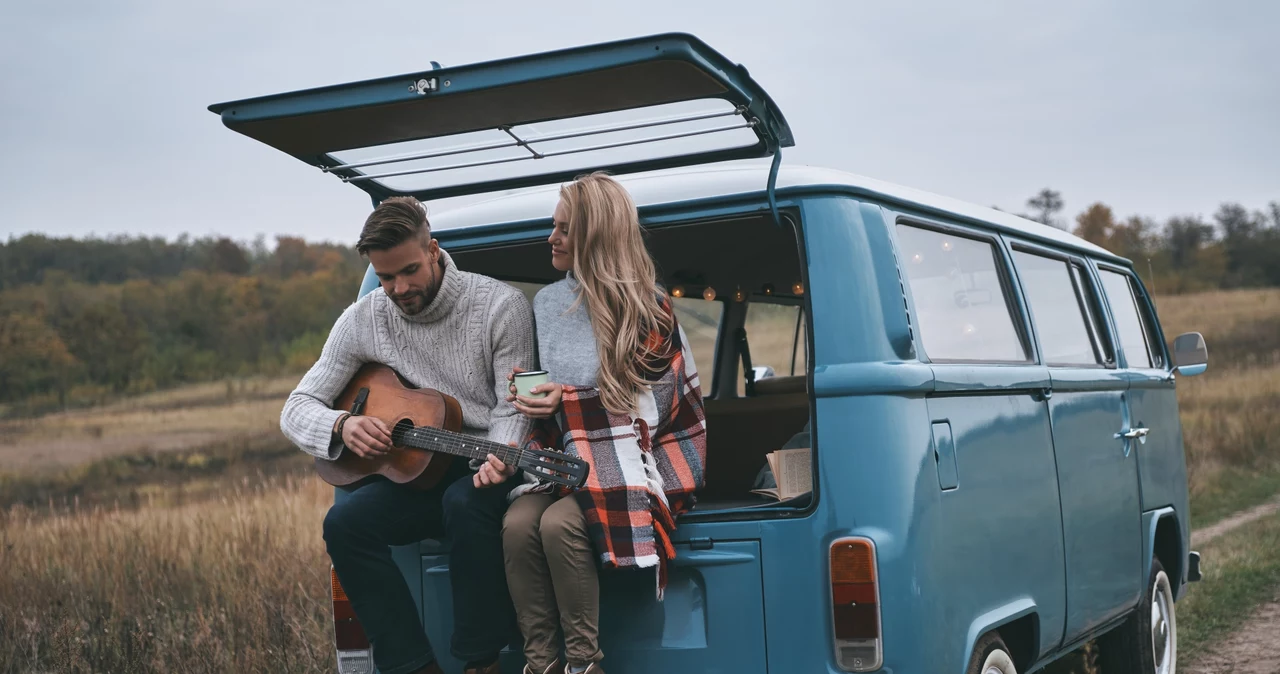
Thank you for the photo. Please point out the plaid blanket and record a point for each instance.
(645, 467)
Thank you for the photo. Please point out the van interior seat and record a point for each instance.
(770, 386)
(741, 431)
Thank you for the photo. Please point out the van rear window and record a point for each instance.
(961, 306)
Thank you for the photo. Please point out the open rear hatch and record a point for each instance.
(635, 105)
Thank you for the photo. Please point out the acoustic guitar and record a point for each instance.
(424, 427)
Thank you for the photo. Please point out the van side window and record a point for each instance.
(961, 305)
(1124, 308)
(1058, 310)
(700, 320)
(776, 334)
(1092, 310)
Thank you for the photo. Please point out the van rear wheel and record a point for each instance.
(1147, 642)
(991, 656)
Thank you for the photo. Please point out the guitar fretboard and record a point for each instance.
(439, 440)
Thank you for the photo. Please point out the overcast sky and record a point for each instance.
(1153, 108)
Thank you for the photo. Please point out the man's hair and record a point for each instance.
(393, 222)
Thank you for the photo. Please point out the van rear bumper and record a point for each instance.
(1193, 566)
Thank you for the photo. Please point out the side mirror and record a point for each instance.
(1190, 354)
(762, 372)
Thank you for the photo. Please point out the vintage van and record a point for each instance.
(995, 451)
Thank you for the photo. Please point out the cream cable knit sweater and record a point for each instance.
(463, 344)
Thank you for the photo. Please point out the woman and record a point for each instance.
(619, 370)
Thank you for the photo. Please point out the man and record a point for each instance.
(455, 332)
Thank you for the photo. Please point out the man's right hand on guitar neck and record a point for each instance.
(368, 437)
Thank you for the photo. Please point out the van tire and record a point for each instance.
(991, 656)
(1131, 647)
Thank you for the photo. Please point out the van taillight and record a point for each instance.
(354, 654)
(855, 604)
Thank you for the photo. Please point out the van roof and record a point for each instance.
(750, 178)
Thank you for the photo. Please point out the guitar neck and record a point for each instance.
(435, 439)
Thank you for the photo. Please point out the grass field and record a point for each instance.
(236, 583)
(122, 552)
(1231, 414)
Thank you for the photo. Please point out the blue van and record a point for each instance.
(996, 472)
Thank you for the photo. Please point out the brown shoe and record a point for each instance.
(553, 668)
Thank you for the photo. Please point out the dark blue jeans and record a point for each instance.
(359, 532)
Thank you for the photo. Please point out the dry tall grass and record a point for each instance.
(1231, 414)
(237, 584)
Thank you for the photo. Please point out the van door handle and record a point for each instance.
(1043, 394)
(1134, 434)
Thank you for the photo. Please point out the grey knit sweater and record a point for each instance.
(566, 344)
(463, 344)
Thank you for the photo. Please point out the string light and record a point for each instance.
(708, 293)
(738, 295)
(677, 291)
(797, 288)
(767, 289)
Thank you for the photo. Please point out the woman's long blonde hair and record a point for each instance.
(618, 282)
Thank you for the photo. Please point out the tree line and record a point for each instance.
(83, 320)
(1236, 248)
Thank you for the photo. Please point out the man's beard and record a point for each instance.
(412, 303)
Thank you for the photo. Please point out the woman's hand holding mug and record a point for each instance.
(532, 395)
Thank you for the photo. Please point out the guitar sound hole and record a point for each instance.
(401, 429)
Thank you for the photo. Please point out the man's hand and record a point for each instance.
(366, 436)
(492, 472)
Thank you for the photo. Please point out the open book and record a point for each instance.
(790, 468)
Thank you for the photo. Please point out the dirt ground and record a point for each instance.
(1206, 534)
(1253, 649)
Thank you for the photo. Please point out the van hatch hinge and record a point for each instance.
(701, 543)
(772, 185)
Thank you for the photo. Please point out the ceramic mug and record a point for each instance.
(527, 380)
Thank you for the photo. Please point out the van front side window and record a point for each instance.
(1055, 306)
(1124, 309)
(961, 306)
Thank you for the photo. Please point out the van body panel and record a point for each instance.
(878, 480)
(1153, 404)
(991, 552)
(711, 618)
(1101, 515)
(995, 618)
(851, 273)
(958, 378)
(1150, 523)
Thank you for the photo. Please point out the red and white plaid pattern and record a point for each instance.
(645, 468)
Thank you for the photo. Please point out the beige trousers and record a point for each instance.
(551, 570)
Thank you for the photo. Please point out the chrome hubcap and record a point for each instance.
(1162, 629)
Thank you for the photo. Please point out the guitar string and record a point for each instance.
(479, 449)
(449, 440)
